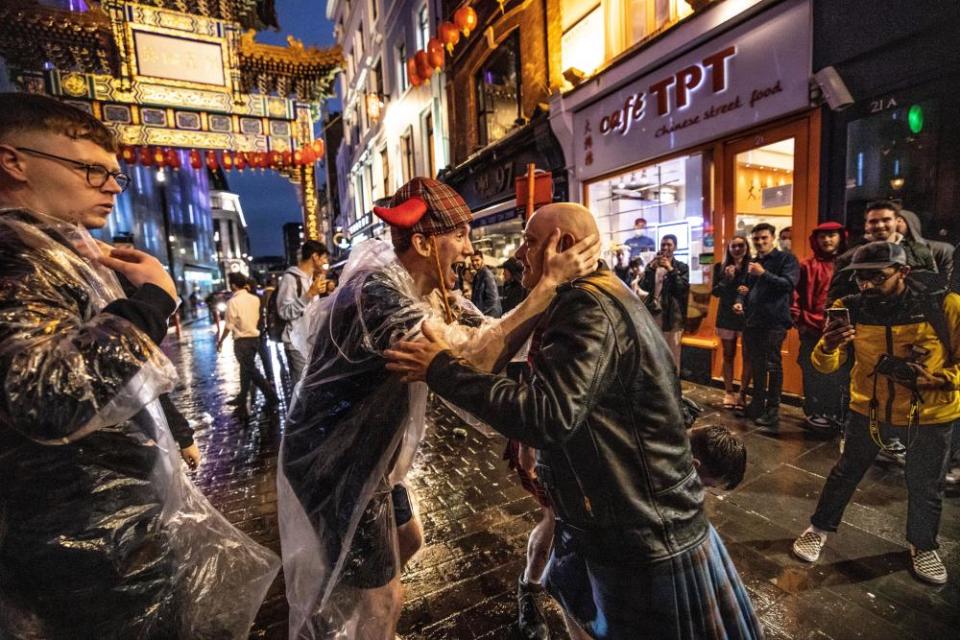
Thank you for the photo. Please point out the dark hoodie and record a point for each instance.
(816, 272)
(942, 252)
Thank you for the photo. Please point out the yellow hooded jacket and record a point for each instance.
(894, 326)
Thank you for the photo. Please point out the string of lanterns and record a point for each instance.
(160, 157)
(422, 64)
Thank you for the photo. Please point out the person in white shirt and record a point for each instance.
(298, 286)
(243, 315)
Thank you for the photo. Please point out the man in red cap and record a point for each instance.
(821, 392)
(346, 523)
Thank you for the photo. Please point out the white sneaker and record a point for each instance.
(928, 566)
(809, 545)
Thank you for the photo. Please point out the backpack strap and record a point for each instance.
(932, 292)
(296, 278)
(932, 307)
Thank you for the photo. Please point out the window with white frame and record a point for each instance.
(403, 82)
(408, 169)
(423, 27)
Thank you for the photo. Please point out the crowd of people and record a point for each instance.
(575, 363)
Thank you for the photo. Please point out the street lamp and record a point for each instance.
(162, 193)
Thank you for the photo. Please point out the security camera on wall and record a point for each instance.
(834, 90)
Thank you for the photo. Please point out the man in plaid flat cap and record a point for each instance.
(346, 523)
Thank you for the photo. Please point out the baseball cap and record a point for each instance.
(425, 206)
(877, 255)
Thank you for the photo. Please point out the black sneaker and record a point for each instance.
(752, 411)
(529, 617)
(770, 420)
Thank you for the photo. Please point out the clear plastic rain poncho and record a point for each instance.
(101, 533)
(351, 435)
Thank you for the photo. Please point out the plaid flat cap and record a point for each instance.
(425, 206)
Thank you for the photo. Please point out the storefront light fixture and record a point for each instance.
(897, 183)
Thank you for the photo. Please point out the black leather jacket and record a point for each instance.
(602, 406)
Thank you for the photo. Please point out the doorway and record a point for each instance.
(771, 176)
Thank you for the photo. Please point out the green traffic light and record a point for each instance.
(915, 118)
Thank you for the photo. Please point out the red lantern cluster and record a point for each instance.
(160, 157)
(422, 64)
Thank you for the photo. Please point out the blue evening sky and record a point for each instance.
(268, 199)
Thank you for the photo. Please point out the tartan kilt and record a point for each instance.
(512, 455)
(696, 595)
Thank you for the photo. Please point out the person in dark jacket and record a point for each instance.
(634, 555)
(728, 277)
(880, 223)
(484, 294)
(513, 291)
(822, 394)
(667, 283)
(771, 279)
(908, 225)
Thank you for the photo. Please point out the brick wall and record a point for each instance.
(536, 20)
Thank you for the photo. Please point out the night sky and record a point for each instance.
(269, 200)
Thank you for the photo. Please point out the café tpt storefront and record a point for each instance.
(701, 141)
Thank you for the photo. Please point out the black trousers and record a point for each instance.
(245, 349)
(823, 393)
(763, 347)
(928, 450)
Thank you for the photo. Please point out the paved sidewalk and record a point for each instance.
(476, 520)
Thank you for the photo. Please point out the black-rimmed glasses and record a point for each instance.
(876, 278)
(97, 175)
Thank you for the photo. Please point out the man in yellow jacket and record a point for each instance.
(905, 382)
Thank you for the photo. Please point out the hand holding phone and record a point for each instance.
(837, 316)
(838, 330)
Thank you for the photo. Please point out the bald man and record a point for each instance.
(634, 555)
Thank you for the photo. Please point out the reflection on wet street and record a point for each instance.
(476, 520)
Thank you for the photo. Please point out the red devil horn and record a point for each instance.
(404, 215)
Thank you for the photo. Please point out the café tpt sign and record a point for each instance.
(751, 74)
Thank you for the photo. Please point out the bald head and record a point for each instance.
(571, 218)
(574, 221)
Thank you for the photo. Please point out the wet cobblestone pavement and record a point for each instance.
(476, 520)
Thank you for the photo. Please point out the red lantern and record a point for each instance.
(424, 70)
(298, 157)
(309, 156)
(466, 19)
(256, 159)
(172, 158)
(195, 162)
(287, 158)
(240, 161)
(449, 35)
(227, 160)
(435, 53)
(412, 74)
(146, 156)
(273, 159)
(128, 155)
(319, 147)
(211, 160)
(159, 157)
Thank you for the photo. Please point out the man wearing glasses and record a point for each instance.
(904, 382)
(96, 517)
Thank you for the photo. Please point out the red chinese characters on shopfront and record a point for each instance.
(712, 70)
